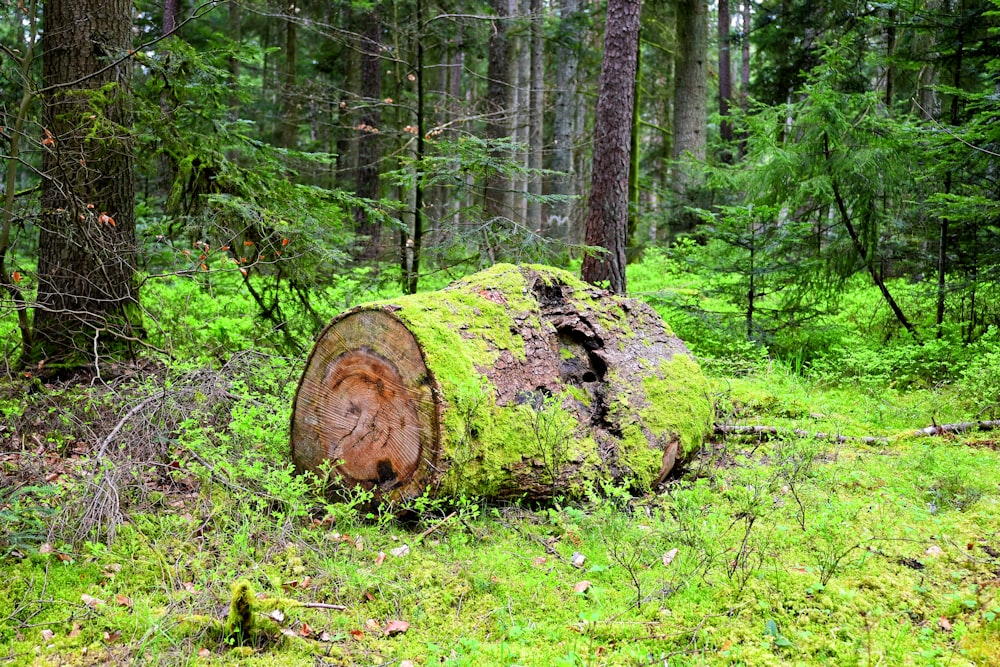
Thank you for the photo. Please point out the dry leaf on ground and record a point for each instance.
(396, 627)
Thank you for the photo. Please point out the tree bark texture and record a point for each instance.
(567, 56)
(690, 85)
(514, 382)
(521, 111)
(607, 218)
(171, 15)
(87, 298)
(536, 116)
(499, 96)
(725, 72)
(367, 174)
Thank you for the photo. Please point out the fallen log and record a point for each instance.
(958, 427)
(775, 432)
(513, 382)
(762, 430)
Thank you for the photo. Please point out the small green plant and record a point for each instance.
(25, 513)
(948, 481)
(980, 381)
(552, 428)
(952, 490)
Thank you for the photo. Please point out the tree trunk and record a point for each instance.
(514, 382)
(744, 71)
(498, 102)
(633, 247)
(522, 111)
(232, 62)
(171, 14)
(725, 78)
(536, 116)
(943, 238)
(607, 219)
(87, 298)
(690, 100)
(867, 255)
(563, 135)
(289, 101)
(367, 174)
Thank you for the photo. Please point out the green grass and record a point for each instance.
(787, 551)
(780, 551)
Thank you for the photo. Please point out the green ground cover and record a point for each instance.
(785, 550)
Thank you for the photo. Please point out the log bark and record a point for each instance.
(514, 382)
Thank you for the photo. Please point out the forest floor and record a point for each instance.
(763, 552)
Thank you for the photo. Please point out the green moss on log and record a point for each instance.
(679, 403)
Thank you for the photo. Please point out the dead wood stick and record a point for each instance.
(774, 431)
(958, 427)
(121, 422)
(322, 605)
(434, 527)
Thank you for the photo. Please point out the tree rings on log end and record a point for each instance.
(367, 406)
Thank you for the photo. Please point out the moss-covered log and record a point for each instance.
(516, 381)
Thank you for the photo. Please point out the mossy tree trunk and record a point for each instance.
(87, 304)
(514, 382)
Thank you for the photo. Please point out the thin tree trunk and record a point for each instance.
(522, 106)
(690, 84)
(414, 245)
(535, 117)
(890, 49)
(233, 81)
(498, 102)
(725, 75)
(943, 239)
(563, 125)
(456, 67)
(865, 254)
(744, 70)
(367, 174)
(607, 219)
(289, 102)
(171, 14)
(9, 276)
(690, 106)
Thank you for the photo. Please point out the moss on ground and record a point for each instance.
(789, 552)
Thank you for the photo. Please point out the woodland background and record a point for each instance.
(305, 155)
(192, 190)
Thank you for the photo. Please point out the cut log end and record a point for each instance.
(365, 404)
(369, 420)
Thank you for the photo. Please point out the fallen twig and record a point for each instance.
(121, 422)
(322, 605)
(434, 527)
